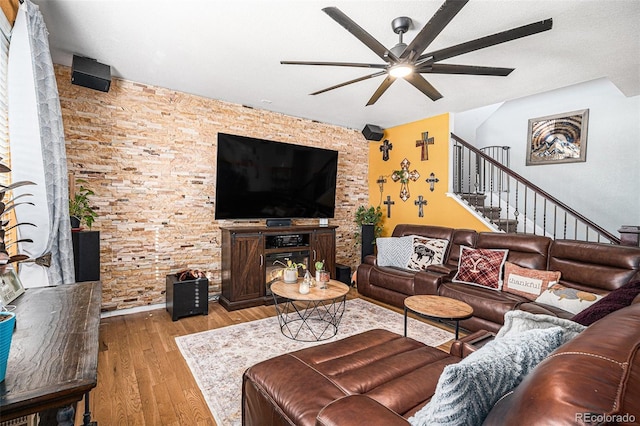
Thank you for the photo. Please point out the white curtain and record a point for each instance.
(38, 152)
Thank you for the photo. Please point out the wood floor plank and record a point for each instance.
(143, 379)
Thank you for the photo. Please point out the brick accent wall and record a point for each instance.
(149, 154)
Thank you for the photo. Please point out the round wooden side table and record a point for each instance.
(437, 307)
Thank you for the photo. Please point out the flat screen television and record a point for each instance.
(261, 179)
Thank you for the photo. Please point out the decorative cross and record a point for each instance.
(420, 202)
(424, 143)
(385, 148)
(381, 181)
(389, 203)
(432, 180)
(404, 175)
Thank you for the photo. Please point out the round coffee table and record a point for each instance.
(309, 317)
(437, 307)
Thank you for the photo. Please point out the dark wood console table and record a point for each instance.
(53, 360)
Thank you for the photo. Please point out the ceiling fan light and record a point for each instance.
(400, 70)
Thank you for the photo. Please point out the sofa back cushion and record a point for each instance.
(528, 251)
(461, 237)
(440, 232)
(595, 267)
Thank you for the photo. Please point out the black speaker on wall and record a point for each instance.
(87, 72)
(372, 132)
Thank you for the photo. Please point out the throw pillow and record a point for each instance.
(467, 391)
(567, 298)
(520, 321)
(481, 267)
(529, 283)
(617, 299)
(394, 251)
(426, 251)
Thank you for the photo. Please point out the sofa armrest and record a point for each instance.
(426, 282)
(471, 343)
(371, 259)
(448, 270)
(351, 410)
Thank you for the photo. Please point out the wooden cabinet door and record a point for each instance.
(324, 248)
(247, 267)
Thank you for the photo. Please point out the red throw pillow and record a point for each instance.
(528, 283)
(481, 267)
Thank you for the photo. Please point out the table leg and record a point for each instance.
(457, 328)
(405, 321)
(86, 417)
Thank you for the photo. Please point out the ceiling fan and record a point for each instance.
(409, 61)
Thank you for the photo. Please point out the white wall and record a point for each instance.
(605, 188)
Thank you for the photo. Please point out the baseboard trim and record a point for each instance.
(135, 310)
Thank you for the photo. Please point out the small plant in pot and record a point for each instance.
(290, 271)
(322, 276)
(80, 211)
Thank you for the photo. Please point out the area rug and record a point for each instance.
(217, 358)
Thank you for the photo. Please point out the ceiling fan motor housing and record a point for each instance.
(401, 24)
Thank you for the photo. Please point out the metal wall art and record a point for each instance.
(389, 203)
(559, 138)
(424, 144)
(432, 180)
(385, 148)
(404, 176)
(420, 202)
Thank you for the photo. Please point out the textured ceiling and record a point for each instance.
(231, 50)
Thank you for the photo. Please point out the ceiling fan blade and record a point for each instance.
(366, 77)
(381, 89)
(490, 40)
(355, 29)
(433, 28)
(335, 64)
(423, 85)
(464, 69)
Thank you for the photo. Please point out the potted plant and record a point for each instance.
(290, 271)
(79, 209)
(369, 221)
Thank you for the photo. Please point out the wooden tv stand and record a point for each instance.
(248, 252)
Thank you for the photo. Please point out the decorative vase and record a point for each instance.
(324, 279)
(7, 323)
(290, 276)
(308, 278)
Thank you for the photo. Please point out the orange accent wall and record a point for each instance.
(440, 209)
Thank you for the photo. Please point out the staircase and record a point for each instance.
(490, 213)
(510, 203)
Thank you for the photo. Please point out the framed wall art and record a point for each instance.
(559, 138)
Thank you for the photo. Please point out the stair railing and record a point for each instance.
(511, 202)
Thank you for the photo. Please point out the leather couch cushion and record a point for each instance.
(488, 304)
(591, 266)
(528, 251)
(396, 371)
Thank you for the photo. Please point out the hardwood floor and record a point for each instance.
(142, 377)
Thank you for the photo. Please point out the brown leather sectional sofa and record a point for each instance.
(381, 378)
(595, 267)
